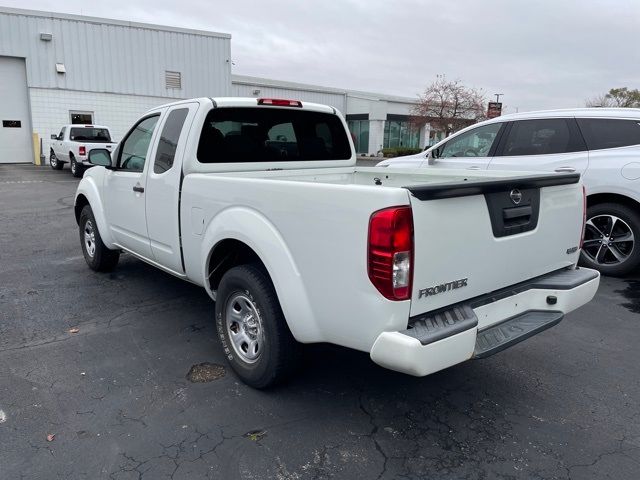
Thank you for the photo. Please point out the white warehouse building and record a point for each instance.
(57, 69)
(376, 121)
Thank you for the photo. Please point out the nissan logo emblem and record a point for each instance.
(516, 196)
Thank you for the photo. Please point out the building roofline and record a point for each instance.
(270, 82)
(109, 21)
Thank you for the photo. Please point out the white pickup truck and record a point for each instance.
(260, 202)
(74, 142)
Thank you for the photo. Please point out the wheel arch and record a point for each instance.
(240, 235)
(598, 198)
(87, 194)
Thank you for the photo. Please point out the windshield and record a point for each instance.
(267, 134)
(90, 134)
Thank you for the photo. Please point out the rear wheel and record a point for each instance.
(76, 170)
(96, 254)
(610, 239)
(54, 162)
(252, 329)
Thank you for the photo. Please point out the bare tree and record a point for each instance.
(449, 106)
(617, 97)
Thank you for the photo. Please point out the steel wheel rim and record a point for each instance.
(608, 240)
(53, 160)
(73, 166)
(244, 327)
(90, 238)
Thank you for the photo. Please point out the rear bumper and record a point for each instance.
(484, 325)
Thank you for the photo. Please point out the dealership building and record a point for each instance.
(57, 69)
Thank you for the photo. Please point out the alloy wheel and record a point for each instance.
(608, 240)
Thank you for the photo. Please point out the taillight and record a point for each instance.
(584, 214)
(82, 150)
(278, 102)
(390, 255)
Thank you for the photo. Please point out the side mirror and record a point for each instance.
(54, 136)
(100, 157)
(432, 155)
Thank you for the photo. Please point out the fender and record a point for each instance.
(253, 229)
(88, 187)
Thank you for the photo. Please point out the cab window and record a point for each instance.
(135, 147)
(168, 143)
(474, 143)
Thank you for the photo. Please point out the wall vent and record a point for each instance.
(172, 79)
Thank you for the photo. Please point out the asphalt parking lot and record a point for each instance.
(115, 394)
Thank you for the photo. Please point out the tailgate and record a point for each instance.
(474, 237)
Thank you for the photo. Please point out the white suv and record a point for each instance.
(603, 144)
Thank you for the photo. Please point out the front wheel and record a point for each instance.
(610, 239)
(96, 254)
(252, 329)
(54, 162)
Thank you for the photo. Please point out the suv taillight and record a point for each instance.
(82, 150)
(584, 214)
(390, 255)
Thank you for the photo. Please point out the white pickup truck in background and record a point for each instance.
(74, 142)
(260, 202)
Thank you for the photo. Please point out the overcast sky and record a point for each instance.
(540, 54)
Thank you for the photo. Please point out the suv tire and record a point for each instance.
(611, 239)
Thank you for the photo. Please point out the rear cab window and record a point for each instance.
(89, 134)
(601, 133)
(264, 134)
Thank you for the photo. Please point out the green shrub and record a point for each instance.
(400, 151)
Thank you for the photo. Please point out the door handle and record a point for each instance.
(138, 189)
(565, 169)
(473, 167)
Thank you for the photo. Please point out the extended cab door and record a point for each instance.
(124, 188)
(164, 180)
(471, 149)
(548, 144)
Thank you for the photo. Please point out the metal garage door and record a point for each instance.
(15, 126)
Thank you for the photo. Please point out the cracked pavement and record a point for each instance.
(563, 405)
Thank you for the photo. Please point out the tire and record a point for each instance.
(54, 162)
(247, 304)
(76, 170)
(97, 255)
(614, 253)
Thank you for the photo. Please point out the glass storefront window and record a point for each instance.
(360, 133)
(400, 133)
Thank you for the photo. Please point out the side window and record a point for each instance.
(134, 149)
(169, 140)
(61, 136)
(602, 133)
(540, 137)
(474, 143)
